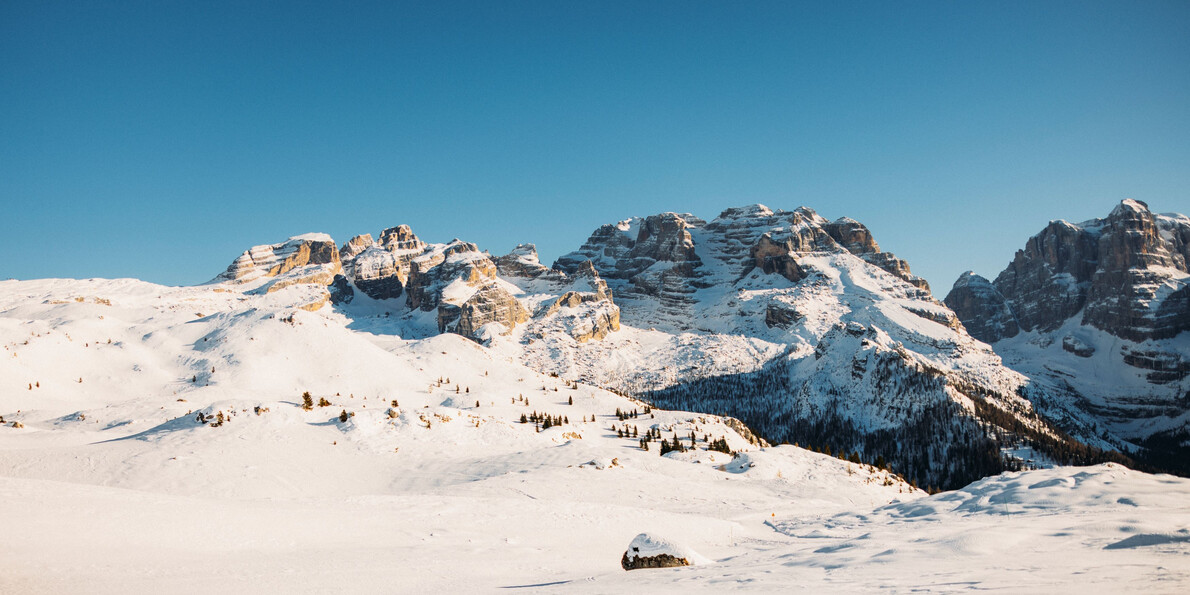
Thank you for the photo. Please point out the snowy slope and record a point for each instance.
(114, 485)
(808, 332)
(1097, 313)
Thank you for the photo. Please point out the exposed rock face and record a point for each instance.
(381, 269)
(852, 236)
(651, 551)
(379, 273)
(523, 262)
(341, 291)
(307, 259)
(431, 273)
(772, 257)
(663, 256)
(664, 237)
(856, 239)
(606, 248)
(356, 245)
(1127, 274)
(657, 561)
(399, 239)
(489, 304)
(780, 315)
(1106, 305)
(981, 308)
(1074, 345)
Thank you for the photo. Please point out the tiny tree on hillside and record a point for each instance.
(343, 416)
(307, 401)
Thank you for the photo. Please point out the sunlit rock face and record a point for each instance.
(305, 259)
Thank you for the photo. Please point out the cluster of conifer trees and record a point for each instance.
(937, 443)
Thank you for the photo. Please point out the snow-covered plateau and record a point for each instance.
(159, 440)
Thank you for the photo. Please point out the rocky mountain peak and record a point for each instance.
(522, 261)
(400, 238)
(756, 210)
(666, 237)
(1126, 273)
(313, 254)
(981, 308)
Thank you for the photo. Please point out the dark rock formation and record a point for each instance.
(658, 561)
(379, 273)
(1125, 273)
(341, 291)
(981, 308)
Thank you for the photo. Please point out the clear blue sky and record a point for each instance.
(158, 140)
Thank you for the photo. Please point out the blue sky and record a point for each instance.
(158, 140)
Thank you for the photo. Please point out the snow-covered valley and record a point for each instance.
(155, 439)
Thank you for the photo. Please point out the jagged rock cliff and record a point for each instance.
(982, 308)
(300, 259)
(1098, 311)
(1125, 275)
(802, 327)
(306, 260)
(467, 291)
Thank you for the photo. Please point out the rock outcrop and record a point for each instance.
(524, 263)
(982, 309)
(490, 303)
(379, 273)
(382, 269)
(1106, 305)
(650, 551)
(663, 257)
(307, 259)
(1126, 274)
(432, 272)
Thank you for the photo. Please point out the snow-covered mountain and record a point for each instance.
(401, 415)
(1097, 313)
(800, 326)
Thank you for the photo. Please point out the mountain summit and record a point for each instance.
(1097, 312)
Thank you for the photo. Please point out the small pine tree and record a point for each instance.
(307, 401)
(524, 419)
(322, 402)
(570, 400)
(343, 416)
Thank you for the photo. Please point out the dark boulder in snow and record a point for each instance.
(651, 551)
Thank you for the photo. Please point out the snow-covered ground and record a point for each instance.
(113, 485)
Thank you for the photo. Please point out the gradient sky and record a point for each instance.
(158, 140)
